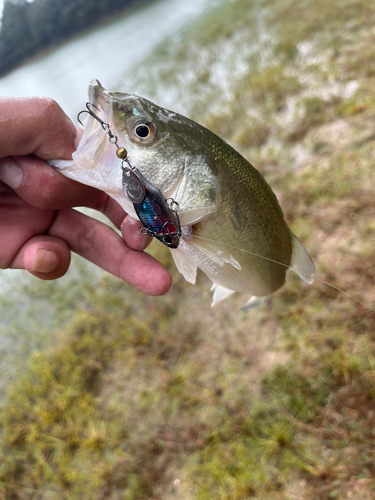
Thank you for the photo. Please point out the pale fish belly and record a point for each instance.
(235, 268)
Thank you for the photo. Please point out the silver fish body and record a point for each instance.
(239, 237)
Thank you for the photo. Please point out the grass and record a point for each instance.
(165, 398)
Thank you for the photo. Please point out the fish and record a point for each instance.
(232, 226)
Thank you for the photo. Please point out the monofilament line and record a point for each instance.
(288, 267)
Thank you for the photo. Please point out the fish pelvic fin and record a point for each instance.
(220, 293)
(301, 262)
(253, 302)
(186, 266)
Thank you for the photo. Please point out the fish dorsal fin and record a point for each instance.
(301, 262)
(186, 266)
(220, 293)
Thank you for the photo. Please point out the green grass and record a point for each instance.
(165, 398)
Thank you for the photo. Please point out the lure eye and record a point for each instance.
(143, 130)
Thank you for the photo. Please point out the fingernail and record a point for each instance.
(11, 174)
(45, 262)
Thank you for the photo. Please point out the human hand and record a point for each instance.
(38, 227)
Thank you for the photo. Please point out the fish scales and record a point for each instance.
(260, 228)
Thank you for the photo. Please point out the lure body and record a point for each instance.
(153, 210)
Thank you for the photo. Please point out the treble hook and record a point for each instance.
(105, 126)
(90, 112)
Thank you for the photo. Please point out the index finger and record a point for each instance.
(101, 245)
(35, 125)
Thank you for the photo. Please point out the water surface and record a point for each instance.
(106, 53)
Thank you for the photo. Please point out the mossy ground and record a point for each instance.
(166, 398)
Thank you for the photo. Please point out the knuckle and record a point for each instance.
(56, 131)
(52, 114)
(87, 238)
(46, 198)
(48, 105)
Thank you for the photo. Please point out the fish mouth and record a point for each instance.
(100, 98)
(96, 122)
(102, 106)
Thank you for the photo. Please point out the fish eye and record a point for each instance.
(143, 130)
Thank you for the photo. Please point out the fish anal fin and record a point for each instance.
(301, 262)
(220, 293)
(186, 266)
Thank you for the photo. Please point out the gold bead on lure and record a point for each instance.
(122, 153)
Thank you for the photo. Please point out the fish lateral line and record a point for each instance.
(347, 294)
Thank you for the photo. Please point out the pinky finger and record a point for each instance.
(45, 257)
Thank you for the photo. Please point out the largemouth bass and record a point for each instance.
(232, 226)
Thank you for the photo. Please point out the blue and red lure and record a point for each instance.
(157, 214)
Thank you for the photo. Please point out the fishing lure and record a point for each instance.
(158, 215)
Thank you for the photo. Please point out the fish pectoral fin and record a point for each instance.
(220, 293)
(198, 190)
(185, 265)
(301, 262)
(253, 302)
(216, 254)
(190, 216)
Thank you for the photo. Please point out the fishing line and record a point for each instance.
(288, 267)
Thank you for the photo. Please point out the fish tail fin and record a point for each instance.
(301, 262)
